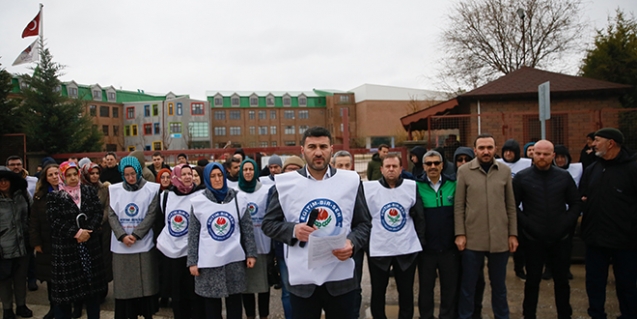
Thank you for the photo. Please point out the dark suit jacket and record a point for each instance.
(276, 227)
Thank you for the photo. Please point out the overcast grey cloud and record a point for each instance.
(194, 46)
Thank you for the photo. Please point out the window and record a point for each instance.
(131, 148)
(92, 111)
(263, 130)
(254, 101)
(146, 110)
(218, 101)
(72, 92)
(273, 115)
(303, 128)
(175, 127)
(105, 130)
(302, 101)
(196, 108)
(252, 144)
(220, 115)
(130, 112)
(157, 146)
(171, 108)
(289, 143)
(97, 94)
(262, 115)
(115, 130)
(344, 98)
(104, 111)
(156, 128)
(235, 115)
(115, 112)
(287, 101)
(235, 130)
(180, 109)
(220, 131)
(234, 101)
(198, 129)
(155, 110)
(272, 130)
(289, 129)
(127, 130)
(148, 129)
(273, 144)
(252, 130)
(289, 114)
(304, 114)
(269, 101)
(263, 144)
(133, 129)
(251, 115)
(111, 96)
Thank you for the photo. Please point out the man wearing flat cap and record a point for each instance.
(609, 223)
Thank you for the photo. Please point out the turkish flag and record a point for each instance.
(33, 28)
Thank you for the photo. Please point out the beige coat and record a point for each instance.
(485, 207)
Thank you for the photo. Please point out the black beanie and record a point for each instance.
(611, 134)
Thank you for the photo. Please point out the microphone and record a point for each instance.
(310, 222)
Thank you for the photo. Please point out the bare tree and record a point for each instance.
(489, 38)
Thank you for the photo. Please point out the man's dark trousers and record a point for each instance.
(447, 264)
(557, 255)
(379, 279)
(472, 262)
(336, 307)
(624, 262)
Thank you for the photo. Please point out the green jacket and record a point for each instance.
(373, 168)
(439, 217)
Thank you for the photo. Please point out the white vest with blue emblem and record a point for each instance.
(173, 239)
(256, 205)
(335, 198)
(233, 185)
(393, 231)
(131, 209)
(219, 235)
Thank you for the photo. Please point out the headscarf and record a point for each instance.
(175, 179)
(158, 177)
(131, 161)
(74, 191)
(199, 170)
(85, 177)
(220, 194)
(244, 185)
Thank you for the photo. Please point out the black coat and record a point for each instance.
(544, 196)
(40, 235)
(70, 281)
(610, 210)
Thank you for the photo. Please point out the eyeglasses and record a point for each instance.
(130, 175)
(165, 177)
(463, 159)
(436, 163)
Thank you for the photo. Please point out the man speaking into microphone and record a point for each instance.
(338, 196)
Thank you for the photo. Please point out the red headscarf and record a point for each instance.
(158, 177)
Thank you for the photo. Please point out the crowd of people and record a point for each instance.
(192, 237)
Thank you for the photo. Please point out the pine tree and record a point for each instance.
(56, 124)
(11, 119)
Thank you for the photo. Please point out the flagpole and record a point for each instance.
(41, 24)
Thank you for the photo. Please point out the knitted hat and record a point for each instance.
(293, 160)
(611, 134)
(275, 160)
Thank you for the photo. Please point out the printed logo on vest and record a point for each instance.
(131, 210)
(178, 223)
(220, 225)
(330, 217)
(253, 209)
(393, 217)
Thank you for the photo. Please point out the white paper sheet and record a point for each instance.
(320, 249)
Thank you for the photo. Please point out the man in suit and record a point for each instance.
(338, 196)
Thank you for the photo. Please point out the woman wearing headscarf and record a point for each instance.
(163, 179)
(77, 272)
(197, 172)
(132, 211)
(252, 199)
(165, 185)
(173, 243)
(219, 254)
(14, 210)
(40, 228)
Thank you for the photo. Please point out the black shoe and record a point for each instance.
(520, 274)
(49, 315)
(570, 275)
(277, 286)
(77, 310)
(33, 285)
(548, 274)
(8, 314)
(24, 312)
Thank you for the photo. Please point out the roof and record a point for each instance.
(262, 93)
(375, 92)
(419, 118)
(525, 81)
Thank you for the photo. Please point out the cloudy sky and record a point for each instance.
(190, 46)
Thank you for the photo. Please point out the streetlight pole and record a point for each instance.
(521, 14)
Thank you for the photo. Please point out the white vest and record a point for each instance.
(173, 239)
(220, 233)
(256, 204)
(266, 180)
(335, 198)
(393, 232)
(31, 183)
(576, 170)
(131, 209)
(233, 185)
(521, 164)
